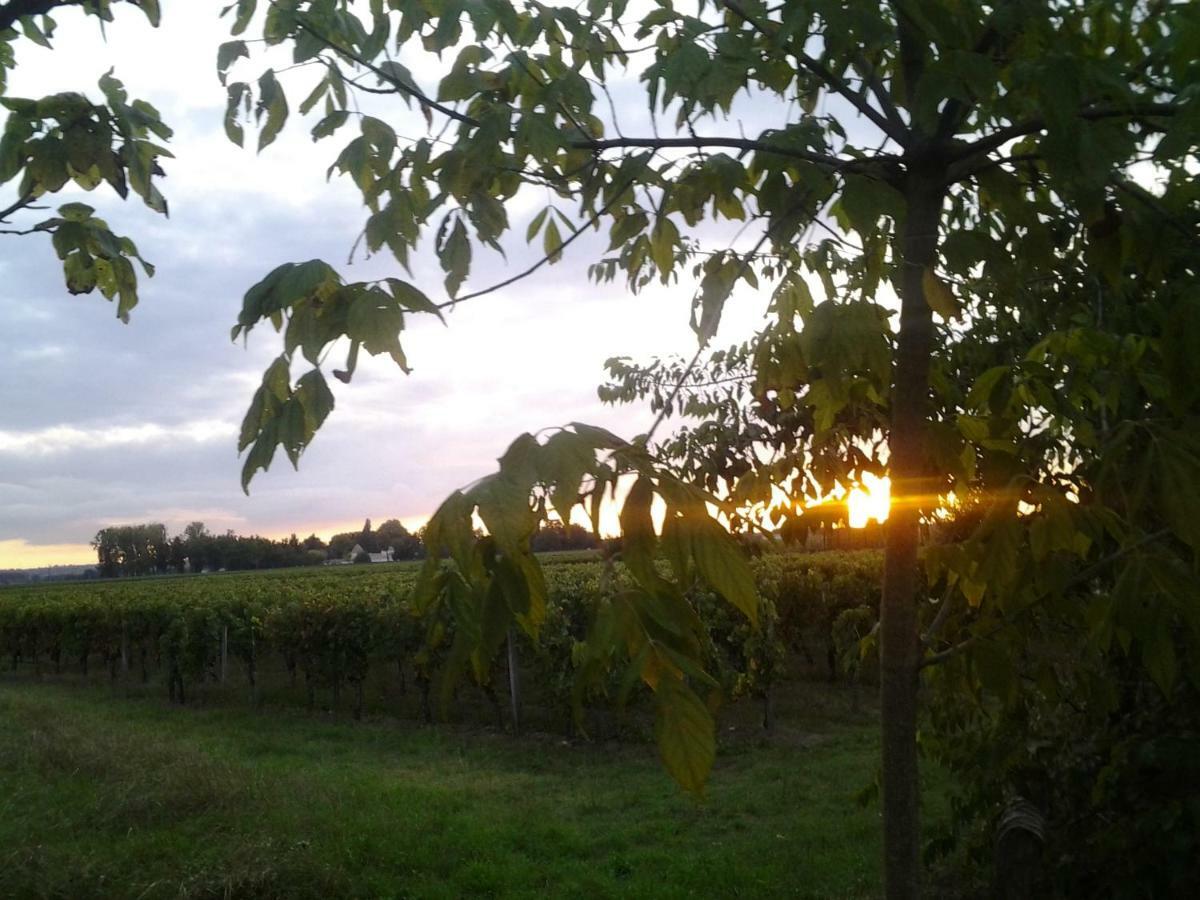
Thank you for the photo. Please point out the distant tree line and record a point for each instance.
(553, 536)
(145, 549)
(47, 573)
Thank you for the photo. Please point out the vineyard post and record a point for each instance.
(224, 650)
(124, 649)
(514, 683)
(253, 671)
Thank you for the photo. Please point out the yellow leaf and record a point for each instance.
(939, 296)
(973, 591)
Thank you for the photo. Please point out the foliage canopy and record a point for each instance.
(1020, 174)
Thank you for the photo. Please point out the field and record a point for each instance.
(272, 789)
(108, 796)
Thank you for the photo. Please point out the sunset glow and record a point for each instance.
(868, 501)
(19, 554)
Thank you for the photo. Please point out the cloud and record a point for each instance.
(65, 438)
(105, 423)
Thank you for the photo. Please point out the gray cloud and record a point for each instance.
(104, 422)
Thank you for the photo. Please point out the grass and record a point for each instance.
(106, 796)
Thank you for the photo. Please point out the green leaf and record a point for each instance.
(330, 124)
(455, 256)
(80, 273)
(252, 421)
(273, 103)
(412, 298)
(720, 275)
(504, 508)
(227, 54)
(565, 458)
(638, 541)
(552, 242)
(685, 733)
(663, 239)
(76, 212)
(237, 91)
(375, 320)
(723, 565)
(245, 12)
(599, 438)
(316, 398)
(677, 545)
(535, 224)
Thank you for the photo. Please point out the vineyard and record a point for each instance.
(351, 639)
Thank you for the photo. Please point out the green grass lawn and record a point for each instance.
(106, 796)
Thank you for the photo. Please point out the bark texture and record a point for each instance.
(899, 649)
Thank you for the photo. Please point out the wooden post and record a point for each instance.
(252, 672)
(124, 649)
(224, 651)
(514, 683)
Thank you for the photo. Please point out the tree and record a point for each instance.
(50, 142)
(178, 555)
(741, 443)
(976, 158)
(340, 545)
(196, 540)
(405, 545)
(367, 539)
(132, 549)
(553, 535)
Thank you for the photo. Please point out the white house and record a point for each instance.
(386, 556)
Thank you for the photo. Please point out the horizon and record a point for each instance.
(866, 503)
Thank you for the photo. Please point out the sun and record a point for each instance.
(869, 500)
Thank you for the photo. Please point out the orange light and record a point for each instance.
(869, 500)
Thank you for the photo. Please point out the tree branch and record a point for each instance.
(18, 9)
(962, 172)
(386, 77)
(955, 112)
(897, 133)
(882, 96)
(745, 264)
(912, 54)
(833, 163)
(592, 220)
(20, 204)
(939, 618)
(1155, 205)
(1002, 136)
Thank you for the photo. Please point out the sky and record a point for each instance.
(106, 423)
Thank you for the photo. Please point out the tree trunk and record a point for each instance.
(423, 683)
(898, 644)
